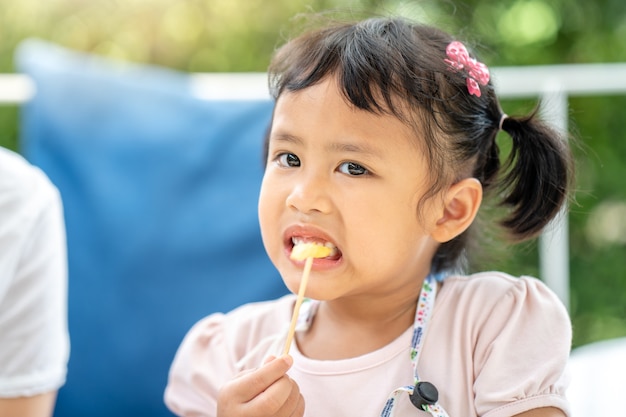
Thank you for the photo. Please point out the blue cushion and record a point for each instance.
(160, 192)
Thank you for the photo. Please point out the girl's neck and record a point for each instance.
(341, 331)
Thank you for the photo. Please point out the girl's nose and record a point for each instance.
(310, 195)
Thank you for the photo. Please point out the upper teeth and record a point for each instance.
(300, 240)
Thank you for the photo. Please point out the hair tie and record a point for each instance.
(502, 118)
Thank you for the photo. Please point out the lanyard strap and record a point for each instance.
(425, 306)
(424, 309)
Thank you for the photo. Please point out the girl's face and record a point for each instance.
(353, 180)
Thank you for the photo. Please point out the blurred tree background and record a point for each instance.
(240, 35)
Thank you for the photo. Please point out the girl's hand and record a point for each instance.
(264, 392)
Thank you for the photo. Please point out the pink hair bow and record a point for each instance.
(459, 59)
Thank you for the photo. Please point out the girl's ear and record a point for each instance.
(461, 203)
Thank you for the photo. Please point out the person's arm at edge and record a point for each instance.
(40, 405)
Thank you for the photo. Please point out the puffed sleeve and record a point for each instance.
(522, 352)
(191, 391)
(219, 347)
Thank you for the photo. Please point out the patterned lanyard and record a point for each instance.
(425, 306)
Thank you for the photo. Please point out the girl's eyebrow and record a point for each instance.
(285, 137)
(339, 147)
(362, 149)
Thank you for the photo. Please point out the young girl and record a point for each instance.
(382, 146)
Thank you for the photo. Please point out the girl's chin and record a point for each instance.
(293, 285)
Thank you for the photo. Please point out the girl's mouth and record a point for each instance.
(334, 251)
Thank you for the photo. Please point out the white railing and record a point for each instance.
(553, 84)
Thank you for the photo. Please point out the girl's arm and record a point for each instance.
(542, 412)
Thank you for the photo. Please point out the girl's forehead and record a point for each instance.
(324, 106)
(325, 102)
(373, 100)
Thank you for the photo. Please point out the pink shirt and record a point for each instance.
(496, 346)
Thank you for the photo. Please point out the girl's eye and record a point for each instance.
(288, 160)
(352, 168)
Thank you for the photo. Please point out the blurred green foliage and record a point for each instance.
(240, 35)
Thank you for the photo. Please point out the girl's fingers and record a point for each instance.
(299, 409)
(266, 391)
(254, 383)
(269, 359)
(294, 406)
(281, 399)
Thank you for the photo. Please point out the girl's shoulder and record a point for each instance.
(493, 285)
(514, 333)
(250, 323)
(220, 346)
(485, 297)
(240, 335)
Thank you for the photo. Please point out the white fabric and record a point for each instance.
(34, 341)
(496, 346)
(598, 379)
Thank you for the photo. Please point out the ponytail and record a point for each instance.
(537, 176)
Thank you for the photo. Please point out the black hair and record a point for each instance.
(397, 66)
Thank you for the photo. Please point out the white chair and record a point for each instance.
(598, 385)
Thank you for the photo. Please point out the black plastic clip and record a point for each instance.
(424, 394)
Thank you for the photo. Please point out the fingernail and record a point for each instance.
(288, 359)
